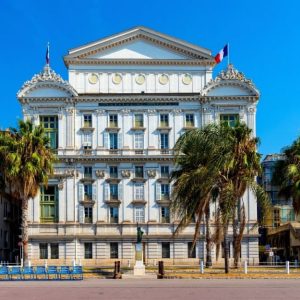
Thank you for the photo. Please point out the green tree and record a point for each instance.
(287, 174)
(27, 161)
(198, 159)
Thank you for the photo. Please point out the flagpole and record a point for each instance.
(228, 61)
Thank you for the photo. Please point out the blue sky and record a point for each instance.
(263, 35)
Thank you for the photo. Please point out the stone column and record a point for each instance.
(69, 128)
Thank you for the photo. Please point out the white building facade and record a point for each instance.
(114, 124)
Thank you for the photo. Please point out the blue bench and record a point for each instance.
(52, 270)
(4, 274)
(77, 273)
(28, 273)
(40, 272)
(15, 273)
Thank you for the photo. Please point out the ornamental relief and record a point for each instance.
(100, 173)
(125, 173)
(151, 173)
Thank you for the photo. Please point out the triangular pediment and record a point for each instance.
(139, 43)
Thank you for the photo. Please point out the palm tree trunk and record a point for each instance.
(24, 226)
(208, 237)
(238, 239)
(236, 252)
(226, 248)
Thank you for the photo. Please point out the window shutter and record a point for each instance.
(120, 141)
(105, 142)
(80, 192)
(106, 192)
(81, 214)
(94, 191)
(120, 191)
(158, 191)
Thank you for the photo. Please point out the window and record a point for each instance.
(113, 172)
(164, 120)
(139, 172)
(114, 214)
(49, 204)
(164, 141)
(139, 191)
(88, 214)
(113, 121)
(113, 140)
(50, 124)
(139, 214)
(88, 250)
(139, 140)
(287, 214)
(88, 171)
(189, 120)
(113, 191)
(191, 253)
(165, 250)
(276, 217)
(164, 171)
(114, 251)
(230, 120)
(5, 239)
(138, 121)
(165, 191)
(88, 191)
(87, 121)
(87, 140)
(165, 215)
(54, 251)
(43, 251)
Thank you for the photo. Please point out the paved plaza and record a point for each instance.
(152, 289)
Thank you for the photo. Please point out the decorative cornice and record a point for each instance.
(95, 61)
(231, 77)
(207, 99)
(47, 78)
(93, 159)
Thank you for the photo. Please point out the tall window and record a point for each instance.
(164, 141)
(114, 251)
(191, 250)
(165, 250)
(87, 140)
(113, 140)
(113, 191)
(139, 191)
(87, 121)
(139, 140)
(165, 191)
(88, 192)
(49, 204)
(164, 171)
(88, 250)
(164, 120)
(139, 172)
(113, 121)
(139, 212)
(114, 214)
(88, 171)
(189, 120)
(43, 251)
(88, 214)
(165, 215)
(276, 217)
(231, 120)
(113, 172)
(54, 251)
(50, 124)
(138, 121)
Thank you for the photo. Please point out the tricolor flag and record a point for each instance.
(48, 55)
(223, 53)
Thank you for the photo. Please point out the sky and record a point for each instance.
(263, 36)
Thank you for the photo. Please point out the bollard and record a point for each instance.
(287, 267)
(46, 264)
(117, 270)
(161, 271)
(29, 263)
(74, 262)
(201, 267)
(245, 267)
(22, 263)
(128, 263)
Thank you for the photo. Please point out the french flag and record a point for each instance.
(48, 55)
(223, 53)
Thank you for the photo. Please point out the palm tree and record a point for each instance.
(238, 175)
(287, 174)
(28, 162)
(198, 159)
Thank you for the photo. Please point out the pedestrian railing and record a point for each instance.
(41, 273)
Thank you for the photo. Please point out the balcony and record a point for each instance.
(114, 180)
(138, 128)
(138, 202)
(113, 201)
(164, 128)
